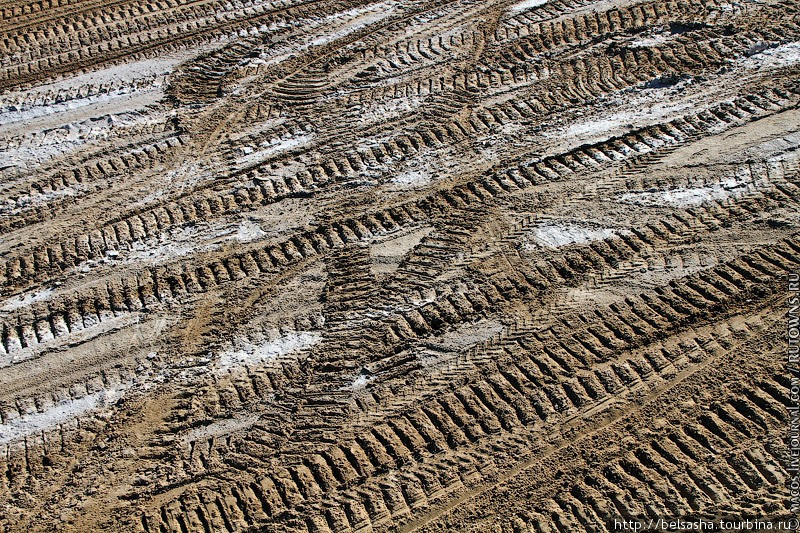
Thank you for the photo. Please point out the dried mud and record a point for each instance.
(351, 266)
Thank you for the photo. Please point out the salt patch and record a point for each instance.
(183, 241)
(785, 55)
(8, 116)
(412, 178)
(165, 252)
(556, 235)
(524, 6)
(34, 423)
(685, 197)
(26, 299)
(253, 156)
(257, 354)
(377, 13)
(622, 120)
(249, 231)
(651, 40)
(361, 381)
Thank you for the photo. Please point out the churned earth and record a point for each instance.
(352, 266)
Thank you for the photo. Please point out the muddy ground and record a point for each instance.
(351, 266)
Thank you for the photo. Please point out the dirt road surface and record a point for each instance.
(352, 266)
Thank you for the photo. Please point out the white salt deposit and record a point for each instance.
(785, 55)
(687, 196)
(165, 252)
(25, 299)
(51, 135)
(646, 111)
(34, 423)
(525, 5)
(361, 381)
(360, 18)
(594, 127)
(381, 112)
(556, 235)
(27, 200)
(648, 41)
(255, 354)
(364, 17)
(180, 242)
(253, 156)
(412, 178)
(249, 231)
(127, 73)
(8, 116)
